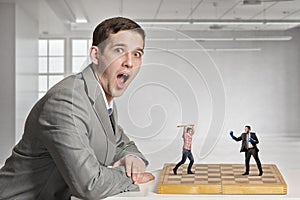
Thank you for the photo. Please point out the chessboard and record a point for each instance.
(221, 179)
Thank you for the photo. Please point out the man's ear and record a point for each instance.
(94, 54)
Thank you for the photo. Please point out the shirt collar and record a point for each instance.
(109, 106)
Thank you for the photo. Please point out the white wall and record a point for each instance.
(7, 77)
(261, 87)
(26, 61)
(18, 55)
(218, 91)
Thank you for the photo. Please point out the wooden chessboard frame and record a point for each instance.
(221, 179)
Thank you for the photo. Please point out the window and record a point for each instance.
(51, 67)
(80, 54)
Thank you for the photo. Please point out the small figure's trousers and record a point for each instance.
(254, 153)
(186, 154)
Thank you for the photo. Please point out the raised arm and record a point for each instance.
(235, 138)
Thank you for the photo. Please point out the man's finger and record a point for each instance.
(117, 164)
(134, 178)
(139, 177)
(128, 168)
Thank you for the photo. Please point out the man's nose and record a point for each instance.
(128, 60)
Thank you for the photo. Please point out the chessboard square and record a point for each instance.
(228, 179)
(201, 182)
(255, 182)
(202, 174)
(200, 179)
(269, 179)
(241, 179)
(214, 179)
(238, 171)
(188, 177)
(202, 169)
(214, 182)
(187, 182)
(227, 175)
(214, 173)
(269, 182)
(243, 182)
(254, 178)
(174, 176)
(174, 179)
(229, 182)
(170, 182)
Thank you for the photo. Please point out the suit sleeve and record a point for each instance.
(255, 138)
(127, 147)
(237, 138)
(64, 133)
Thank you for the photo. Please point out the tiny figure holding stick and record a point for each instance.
(188, 132)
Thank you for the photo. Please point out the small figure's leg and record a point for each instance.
(247, 162)
(191, 158)
(183, 159)
(255, 155)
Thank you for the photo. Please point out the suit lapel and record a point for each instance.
(97, 101)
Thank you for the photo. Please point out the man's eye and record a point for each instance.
(119, 50)
(138, 54)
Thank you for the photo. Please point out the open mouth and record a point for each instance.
(121, 79)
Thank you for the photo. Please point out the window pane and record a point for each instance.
(42, 83)
(42, 64)
(56, 47)
(42, 47)
(78, 63)
(90, 43)
(54, 79)
(79, 48)
(56, 65)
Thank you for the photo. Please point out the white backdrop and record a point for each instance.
(180, 82)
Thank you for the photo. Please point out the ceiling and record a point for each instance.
(176, 14)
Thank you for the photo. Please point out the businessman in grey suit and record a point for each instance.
(249, 146)
(72, 144)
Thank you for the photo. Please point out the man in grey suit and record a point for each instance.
(72, 143)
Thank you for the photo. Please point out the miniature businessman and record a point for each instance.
(187, 136)
(249, 142)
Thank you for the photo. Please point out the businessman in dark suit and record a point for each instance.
(72, 143)
(249, 146)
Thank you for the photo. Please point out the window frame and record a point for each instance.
(47, 73)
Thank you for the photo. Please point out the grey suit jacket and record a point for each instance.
(67, 146)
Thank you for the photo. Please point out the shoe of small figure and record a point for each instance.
(190, 172)
(261, 173)
(246, 173)
(175, 171)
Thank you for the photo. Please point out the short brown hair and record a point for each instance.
(113, 26)
(249, 127)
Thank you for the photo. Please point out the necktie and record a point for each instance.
(110, 113)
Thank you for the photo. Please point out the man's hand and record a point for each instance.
(231, 134)
(134, 166)
(144, 178)
(251, 140)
